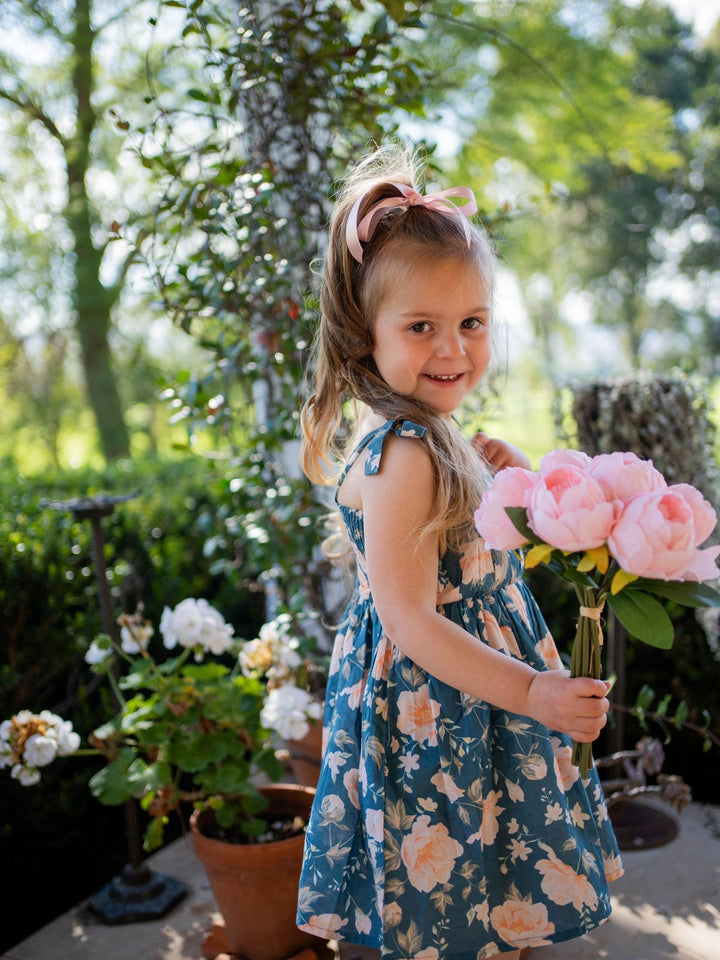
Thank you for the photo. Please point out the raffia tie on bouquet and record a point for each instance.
(585, 658)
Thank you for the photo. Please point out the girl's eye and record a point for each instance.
(472, 323)
(422, 326)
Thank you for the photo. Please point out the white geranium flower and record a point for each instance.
(68, 741)
(314, 710)
(40, 750)
(275, 654)
(29, 741)
(187, 623)
(216, 635)
(27, 776)
(49, 718)
(97, 652)
(255, 658)
(288, 656)
(194, 623)
(6, 754)
(135, 640)
(8, 737)
(167, 628)
(270, 632)
(286, 711)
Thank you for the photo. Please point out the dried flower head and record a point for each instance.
(29, 741)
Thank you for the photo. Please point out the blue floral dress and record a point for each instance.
(444, 827)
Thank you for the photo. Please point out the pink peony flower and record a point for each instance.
(569, 510)
(623, 475)
(704, 516)
(657, 535)
(510, 488)
(563, 458)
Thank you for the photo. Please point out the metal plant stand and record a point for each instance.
(137, 893)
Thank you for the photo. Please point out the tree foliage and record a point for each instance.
(292, 91)
(600, 134)
(559, 106)
(68, 181)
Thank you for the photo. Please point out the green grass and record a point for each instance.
(521, 415)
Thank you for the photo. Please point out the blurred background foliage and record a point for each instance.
(165, 182)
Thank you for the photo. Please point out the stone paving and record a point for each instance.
(666, 907)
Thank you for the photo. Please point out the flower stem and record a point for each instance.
(585, 657)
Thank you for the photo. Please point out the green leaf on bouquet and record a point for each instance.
(518, 517)
(688, 593)
(643, 617)
(565, 569)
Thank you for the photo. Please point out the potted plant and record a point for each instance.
(189, 730)
(294, 671)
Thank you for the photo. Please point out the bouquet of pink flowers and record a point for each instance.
(613, 528)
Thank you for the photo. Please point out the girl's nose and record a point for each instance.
(450, 345)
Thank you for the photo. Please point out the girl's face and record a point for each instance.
(432, 334)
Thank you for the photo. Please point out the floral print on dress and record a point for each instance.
(444, 828)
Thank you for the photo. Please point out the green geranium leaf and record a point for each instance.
(137, 678)
(205, 672)
(228, 778)
(111, 785)
(153, 836)
(193, 751)
(253, 828)
(643, 617)
(144, 779)
(268, 761)
(107, 731)
(227, 813)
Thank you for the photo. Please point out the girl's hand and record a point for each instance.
(576, 706)
(498, 453)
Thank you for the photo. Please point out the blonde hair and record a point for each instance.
(350, 297)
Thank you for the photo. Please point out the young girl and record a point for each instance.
(449, 821)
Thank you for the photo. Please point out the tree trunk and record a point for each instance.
(92, 303)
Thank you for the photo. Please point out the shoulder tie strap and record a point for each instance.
(375, 446)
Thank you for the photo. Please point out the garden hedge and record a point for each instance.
(55, 834)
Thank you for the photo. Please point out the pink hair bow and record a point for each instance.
(440, 202)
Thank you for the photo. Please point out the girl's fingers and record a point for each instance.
(588, 729)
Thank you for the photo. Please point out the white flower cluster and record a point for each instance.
(274, 654)
(135, 635)
(287, 710)
(29, 741)
(195, 624)
(136, 638)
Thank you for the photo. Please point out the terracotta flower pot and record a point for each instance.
(255, 885)
(304, 756)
